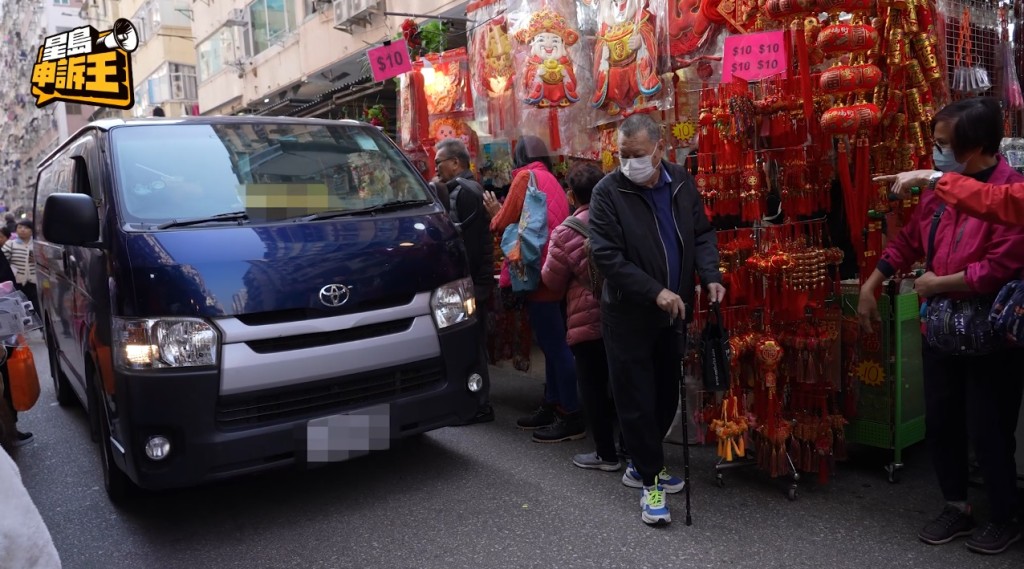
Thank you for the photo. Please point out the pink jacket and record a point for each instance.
(990, 254)
(558, 210)
(566, 272)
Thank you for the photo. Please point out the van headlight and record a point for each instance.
(453, 303)
(164, 343)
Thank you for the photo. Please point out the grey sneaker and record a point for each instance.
(591, 461)
(951, 524)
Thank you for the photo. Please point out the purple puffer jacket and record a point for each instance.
(566, 272)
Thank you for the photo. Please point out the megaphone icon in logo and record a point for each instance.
(123, 36)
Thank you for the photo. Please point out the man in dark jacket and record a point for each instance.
(650, 238)
(19, 438)
(466, 208)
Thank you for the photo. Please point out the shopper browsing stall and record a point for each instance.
(558, 418)
(650, 238)
(968, 259)
(568, 271)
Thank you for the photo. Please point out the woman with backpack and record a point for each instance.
(568, 270)
(559, 417)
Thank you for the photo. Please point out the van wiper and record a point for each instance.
(229, 216)
(386, 206)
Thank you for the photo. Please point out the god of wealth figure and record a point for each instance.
(549, 79)
(625, 57)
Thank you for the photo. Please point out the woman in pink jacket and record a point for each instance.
(972, 398)
(559, 417)
(567, 272)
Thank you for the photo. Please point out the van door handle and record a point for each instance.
(66, 261)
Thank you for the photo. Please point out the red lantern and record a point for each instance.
(847, 38)
(850, 120)
(786, 9)
(850, 79)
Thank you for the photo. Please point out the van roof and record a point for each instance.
(107, 124)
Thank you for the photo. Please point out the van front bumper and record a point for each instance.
(214, 437)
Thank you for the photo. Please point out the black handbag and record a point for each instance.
(958, 326)
(715, 351)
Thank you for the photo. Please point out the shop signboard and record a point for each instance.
(753, 57)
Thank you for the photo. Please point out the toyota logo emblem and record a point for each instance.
(334, 295)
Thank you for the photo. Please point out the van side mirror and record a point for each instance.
(71, 219)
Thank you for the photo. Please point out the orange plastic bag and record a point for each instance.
(24, 381)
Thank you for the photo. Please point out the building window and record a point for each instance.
(269, 21)
(217, 52)
(154, 14)
(61, 2)
(73, 108)
(170, 82)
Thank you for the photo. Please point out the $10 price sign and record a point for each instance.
(389, 60)
(753, 57)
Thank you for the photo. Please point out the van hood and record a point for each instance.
(280, 270)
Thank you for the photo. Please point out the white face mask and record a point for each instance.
(639, 170)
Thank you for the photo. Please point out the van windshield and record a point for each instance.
(262, 172)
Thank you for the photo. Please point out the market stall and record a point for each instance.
(784, 111)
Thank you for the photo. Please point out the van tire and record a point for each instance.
(61, 386)
(120, 488)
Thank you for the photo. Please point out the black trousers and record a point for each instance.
(32, 293)
(593, 378)
(975, 398)
(7, 387)
(645, 375)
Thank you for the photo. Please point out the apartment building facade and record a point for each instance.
(288, 57)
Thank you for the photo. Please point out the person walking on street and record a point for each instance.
(20, 438)
(971, 401)
(10, 223)
(568, 271)
(559, 417)
(466, 209)
(650, 238)
(5, 236)
(20, 255)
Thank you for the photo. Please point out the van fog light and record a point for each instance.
(475, 383)
(157, 448)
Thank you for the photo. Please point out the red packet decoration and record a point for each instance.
(625, 57)
(549, 79)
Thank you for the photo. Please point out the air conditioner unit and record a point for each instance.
(237, 17)
(349, 12)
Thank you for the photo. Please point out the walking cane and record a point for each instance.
(681, 330)
(686, 455)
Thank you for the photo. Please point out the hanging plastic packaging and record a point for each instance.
(552, 59)
(493, 69)
(631, 50)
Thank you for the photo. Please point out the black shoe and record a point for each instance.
(542, 417)
(484, 415)
(951, 524)
(23, 439)
(993, 538)
(565, 428)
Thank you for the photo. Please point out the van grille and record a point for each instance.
(336, 394)
(304, 341)
(301, 314)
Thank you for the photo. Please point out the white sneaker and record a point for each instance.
(653, 508)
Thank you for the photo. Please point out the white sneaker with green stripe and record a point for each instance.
(653, 508)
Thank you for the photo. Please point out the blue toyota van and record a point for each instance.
(226, 295)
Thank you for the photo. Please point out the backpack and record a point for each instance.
(523, 242)
(453, 201)
(596, 280)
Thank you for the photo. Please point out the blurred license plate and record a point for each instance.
(341, 437)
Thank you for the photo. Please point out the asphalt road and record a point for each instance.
(479, 497)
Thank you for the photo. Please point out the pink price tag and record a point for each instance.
(389, 60)
(753, 57)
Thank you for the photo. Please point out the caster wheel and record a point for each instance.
(792, 494)
(893, 473)
(720, 481)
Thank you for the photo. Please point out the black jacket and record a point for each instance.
(475, 226)
(628, 250)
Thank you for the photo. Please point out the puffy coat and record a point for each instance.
(566, 273)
